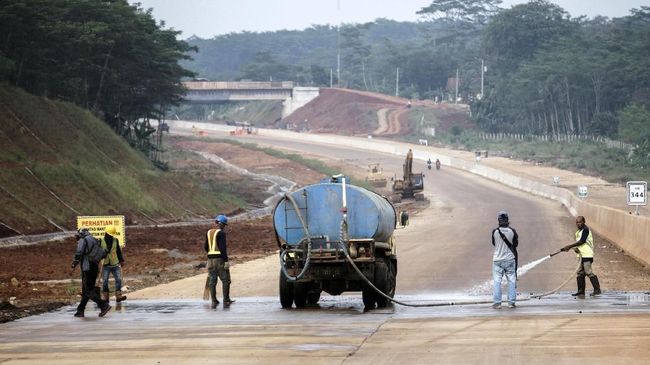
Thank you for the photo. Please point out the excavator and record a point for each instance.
(412, 185)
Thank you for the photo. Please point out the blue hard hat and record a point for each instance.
(221, 219)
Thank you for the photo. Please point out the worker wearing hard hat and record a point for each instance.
(218, 266)
(112, 263)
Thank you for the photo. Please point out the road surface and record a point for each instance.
(444, 255)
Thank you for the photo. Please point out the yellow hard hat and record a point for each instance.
(111, 230)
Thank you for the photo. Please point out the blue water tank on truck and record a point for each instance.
(323, 230)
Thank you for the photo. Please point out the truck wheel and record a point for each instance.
(313, 296)
(286, 292)
(368, 296)
(392, 280)
(382, 282)
(300, 294)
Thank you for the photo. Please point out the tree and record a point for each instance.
(265, 68)
(515, 35)
(634, 124)
(354, 56)
(107, 56)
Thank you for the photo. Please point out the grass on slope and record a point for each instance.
(59, 161)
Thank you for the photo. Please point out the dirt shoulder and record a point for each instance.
(38, 278)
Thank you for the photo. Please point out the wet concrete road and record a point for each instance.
(611, 329)
(443, 255)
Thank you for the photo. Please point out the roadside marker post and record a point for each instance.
(583, 192)
(637, 194)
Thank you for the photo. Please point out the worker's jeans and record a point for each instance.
(509, 269)
(117, 274)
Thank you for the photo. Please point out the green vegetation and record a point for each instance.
(106, 56)
(258, 113)
(591, 158)
(547, 73)
(58, 162)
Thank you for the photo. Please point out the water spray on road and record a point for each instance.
(486, 287)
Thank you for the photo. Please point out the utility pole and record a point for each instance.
(482, 70)
(338, 47)
(456, 99)
(331, 78)
(397, 83)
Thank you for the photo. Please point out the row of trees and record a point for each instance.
(547, 73)
(106, 55)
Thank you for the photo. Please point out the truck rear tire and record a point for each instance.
(382, 282)
(368, 296)
(300, 294)
(313, 296)
(286, 291)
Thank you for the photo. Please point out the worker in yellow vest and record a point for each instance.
(112, 263)
(584, 246)
(218, 266)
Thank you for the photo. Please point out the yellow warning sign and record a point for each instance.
(97, 224)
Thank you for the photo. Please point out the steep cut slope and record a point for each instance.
(354, 112)
(58, 161)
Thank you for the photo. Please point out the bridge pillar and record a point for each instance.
(300, 96)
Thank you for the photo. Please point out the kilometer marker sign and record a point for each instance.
(637, 193)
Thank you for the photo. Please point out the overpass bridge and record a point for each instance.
(207, 92)
(214, 91)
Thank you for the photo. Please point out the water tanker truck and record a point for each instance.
(335, 237)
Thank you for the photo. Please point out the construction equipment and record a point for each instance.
(324, 231)
(412, 185)
(376, 176)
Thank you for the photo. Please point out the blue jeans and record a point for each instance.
(499, 269)
(117, 274)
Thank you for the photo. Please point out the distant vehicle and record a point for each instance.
(412, 184)
(376, 175)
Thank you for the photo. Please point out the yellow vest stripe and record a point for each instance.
(586, 249)
(213, 248)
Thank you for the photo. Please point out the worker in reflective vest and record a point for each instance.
(584, 246)
(218, 266)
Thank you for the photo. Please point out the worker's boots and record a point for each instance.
(226, 295)
(595, 284)
(581, 286)
(119, 297)
(213, 297)
(79, 313)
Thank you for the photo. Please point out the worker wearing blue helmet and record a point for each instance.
(218, 266)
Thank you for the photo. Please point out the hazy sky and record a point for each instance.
(207, 18)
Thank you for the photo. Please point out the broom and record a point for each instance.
(206, 290)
